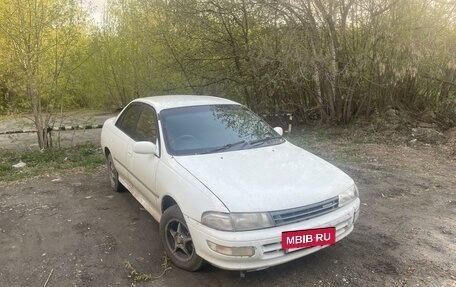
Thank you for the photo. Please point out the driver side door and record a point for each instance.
(143, 167)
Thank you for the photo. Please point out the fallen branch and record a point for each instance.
(139, 276)
(49, 277)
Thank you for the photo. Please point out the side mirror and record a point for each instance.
(144, 148)
(279, 130)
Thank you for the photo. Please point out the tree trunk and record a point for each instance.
(36, 107)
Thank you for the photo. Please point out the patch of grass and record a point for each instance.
(309, 137)
(39, 162)
(321, 134)
(330, 144)
(135, 274)
(362, 138)
(358, 140)
(138, 276)
(298, 139)
(350, 154)
(304, 138)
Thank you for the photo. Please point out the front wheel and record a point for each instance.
(177, 241)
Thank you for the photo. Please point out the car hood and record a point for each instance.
(268, 178)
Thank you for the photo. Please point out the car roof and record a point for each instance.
(175, 101)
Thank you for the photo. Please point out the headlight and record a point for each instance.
(348, 195)
(217, 220)
(251, 221)
(237, 221)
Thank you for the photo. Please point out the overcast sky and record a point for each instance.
(96, 8)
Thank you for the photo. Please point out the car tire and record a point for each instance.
(177, 242)
(113, 175)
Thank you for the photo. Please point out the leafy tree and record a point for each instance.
(39, 37)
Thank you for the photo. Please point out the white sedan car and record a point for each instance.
(225, 187)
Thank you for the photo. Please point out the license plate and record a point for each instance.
(295, 240)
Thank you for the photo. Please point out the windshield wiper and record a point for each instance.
(263, 140)
(225, 147)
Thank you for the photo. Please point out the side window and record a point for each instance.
(129, 119)
(146, 129)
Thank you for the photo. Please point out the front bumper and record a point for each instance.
(267, 242)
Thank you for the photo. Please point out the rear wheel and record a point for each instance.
(113, 175)
(177, 241)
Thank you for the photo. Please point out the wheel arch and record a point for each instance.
(106, 152)
(167, 202)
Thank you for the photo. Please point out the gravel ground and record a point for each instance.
(73, 225)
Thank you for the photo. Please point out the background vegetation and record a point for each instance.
(49, 161)
(322, 59)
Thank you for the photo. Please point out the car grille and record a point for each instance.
(293, 215)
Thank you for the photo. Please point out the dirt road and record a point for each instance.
(63, 138)
(84, 232)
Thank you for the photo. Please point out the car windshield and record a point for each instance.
(214, 128)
